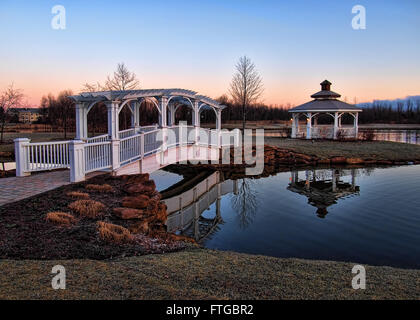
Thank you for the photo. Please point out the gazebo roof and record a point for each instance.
(326, 101)
(144, 93)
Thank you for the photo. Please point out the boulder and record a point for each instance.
(147, 187)
(138, 178)
(139, 202)
(129, 213)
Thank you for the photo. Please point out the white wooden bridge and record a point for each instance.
(135, 150)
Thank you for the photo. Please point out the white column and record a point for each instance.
(335, 131)
(77, 160)
(171, 121)
(113, 125)
(85, 124)
(115, 154)
(196, 114)
(294, 125)
(308, 125)
(356, 125)
(81, 121)
(163, 120)
(134, 114)
(21, 157)
(219, 127)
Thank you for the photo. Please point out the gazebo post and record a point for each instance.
(356, 125)
(335, 131)
(293, 135)
(308, 125)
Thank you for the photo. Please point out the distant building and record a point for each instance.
(27, 115)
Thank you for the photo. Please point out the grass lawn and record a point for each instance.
(379, 150)
(203, 274)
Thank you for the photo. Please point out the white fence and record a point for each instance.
(99, 153)
(43, 156)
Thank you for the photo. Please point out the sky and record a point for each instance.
(195, 45)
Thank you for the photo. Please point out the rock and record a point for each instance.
(139, 202)
(138, 178)
(336, 160)
(129, 213)
(148, 187)
(355, 161)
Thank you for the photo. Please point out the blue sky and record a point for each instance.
(195, 45)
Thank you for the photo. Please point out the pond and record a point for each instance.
(368, 215)
(394, 135)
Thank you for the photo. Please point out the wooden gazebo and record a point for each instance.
(325, 102)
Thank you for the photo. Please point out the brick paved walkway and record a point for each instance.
(18, 188)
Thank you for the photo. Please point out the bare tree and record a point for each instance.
(246, 86)
(87, 87)
(123, 79)
(10, 98)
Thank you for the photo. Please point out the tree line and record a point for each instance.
(242, 104)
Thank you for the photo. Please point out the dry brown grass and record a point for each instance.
(60, 218)
(87, 208)
(99, 188)
(113, 233)
(77, 195)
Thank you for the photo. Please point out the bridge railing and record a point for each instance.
(131, 148)
(40, 156)
(101, 138)
(97, 156)
(100, 153)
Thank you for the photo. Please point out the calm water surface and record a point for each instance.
(367, 216)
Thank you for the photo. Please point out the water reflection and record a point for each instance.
(245, 202)
(324, 188)
(186, 210)
(393, 135)
(363, 215)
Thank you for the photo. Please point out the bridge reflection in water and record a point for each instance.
(324, 187)
(185, 210)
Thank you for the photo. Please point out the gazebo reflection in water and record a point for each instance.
(324, 187)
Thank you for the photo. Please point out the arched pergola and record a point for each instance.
(325, 102)
(165, 100)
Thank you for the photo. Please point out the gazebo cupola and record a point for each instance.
(325, 102)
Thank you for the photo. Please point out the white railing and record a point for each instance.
(100, 153)
(151, 143)
(97, 156)
(46, 156)
(101, 138)
(131, 148)
(127, 133)
(148, 128)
